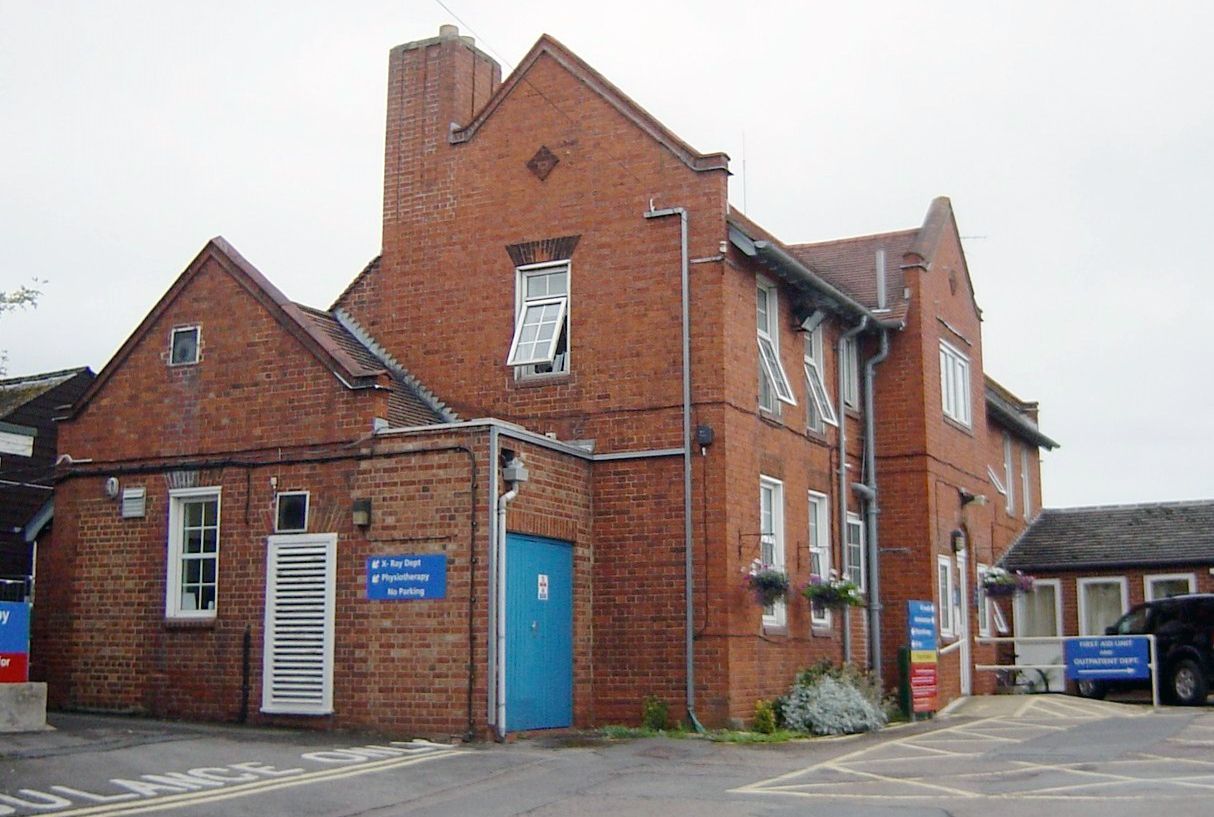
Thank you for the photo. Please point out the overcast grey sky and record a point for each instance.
(1074, 139)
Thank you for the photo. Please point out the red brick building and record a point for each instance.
(578, 388)
(1092, 564)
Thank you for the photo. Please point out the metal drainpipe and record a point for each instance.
(688, 567)
(843, 339)
(870, 480)
(504, 500)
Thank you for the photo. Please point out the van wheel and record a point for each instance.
(1187, 683)
(1091, 689)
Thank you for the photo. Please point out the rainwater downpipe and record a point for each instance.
(500, 635)
(843, 481)
(870, 482)
(688, 568)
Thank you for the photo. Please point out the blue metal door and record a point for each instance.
(539, 633)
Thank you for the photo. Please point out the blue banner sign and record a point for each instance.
(14, 642)
(409, 577)
(1107, 658)
(921, 622)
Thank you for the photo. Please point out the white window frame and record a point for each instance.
(1148, 587)
(1026, 502)
(998, 483)
(944, 588)
(525, 366)
(855, 570)
(197, 330)
(307, 510)
(775, 615)
(178, 497)
(818, 536)
(982, 603)
(999, 619)
(1084, 582)
(768, 330)
(1009, 475)
(955, 394)
(849, 370)
(818, 408)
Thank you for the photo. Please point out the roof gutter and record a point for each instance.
(1016, 422)
(789, 267)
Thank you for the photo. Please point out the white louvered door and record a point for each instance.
(297, 675)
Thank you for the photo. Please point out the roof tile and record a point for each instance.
(1167, 533)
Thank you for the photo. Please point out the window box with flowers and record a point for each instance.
(997, 582)
(831, 591)
(768, 584)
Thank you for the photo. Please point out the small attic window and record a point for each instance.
(184, 349)
(292, 512)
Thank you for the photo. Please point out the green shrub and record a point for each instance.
(765, 717)
(847, 674)
(654, 713)
(833, 700)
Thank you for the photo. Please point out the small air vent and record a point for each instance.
(134, 503)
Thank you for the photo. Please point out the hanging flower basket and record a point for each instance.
(832, 591)
(767, 584)
(999, 583)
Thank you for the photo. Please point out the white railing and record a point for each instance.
(1152, 654)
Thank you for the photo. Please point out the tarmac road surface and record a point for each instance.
(1011, 755)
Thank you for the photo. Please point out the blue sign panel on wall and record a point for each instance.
(14, 641)
(409, 577)
(14, 626)
(922, 618)
(1107, 658)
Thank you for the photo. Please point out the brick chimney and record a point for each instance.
(434, 85)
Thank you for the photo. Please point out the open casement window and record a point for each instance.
(771, 541)
(955, 386)
(853, 554)
(818, 406)
(541, 328)
(771, 372)
(819, 551)
(996, 481)
(193, 554)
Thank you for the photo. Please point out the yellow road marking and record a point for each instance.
(243, 790)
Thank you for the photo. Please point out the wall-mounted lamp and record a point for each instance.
(362, 512)
(967, 498)
(957, 540)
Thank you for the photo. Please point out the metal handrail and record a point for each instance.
(1152, 664)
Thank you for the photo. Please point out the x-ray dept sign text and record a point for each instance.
(408, 577)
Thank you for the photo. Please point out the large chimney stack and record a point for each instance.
(434, 85)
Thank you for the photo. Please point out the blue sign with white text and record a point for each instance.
(921, 616)
(409, 577)
(1107, 658)
(14, 626)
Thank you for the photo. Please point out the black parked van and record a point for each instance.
(1183, 627)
